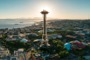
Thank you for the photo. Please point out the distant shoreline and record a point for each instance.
(21, 23)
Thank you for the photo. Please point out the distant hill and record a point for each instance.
(67, 23)
(70, 23)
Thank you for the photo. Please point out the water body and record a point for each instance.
(16, 23)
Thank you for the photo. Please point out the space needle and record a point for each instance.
(44, 36)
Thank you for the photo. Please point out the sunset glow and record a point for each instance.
(45, 6)
(61, 9)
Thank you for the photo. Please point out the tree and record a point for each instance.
(56, 47)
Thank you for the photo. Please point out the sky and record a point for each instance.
(58, 9)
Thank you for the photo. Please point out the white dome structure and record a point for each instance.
(24, 40)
